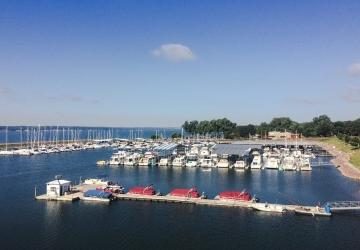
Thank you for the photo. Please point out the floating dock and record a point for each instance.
(80, 189)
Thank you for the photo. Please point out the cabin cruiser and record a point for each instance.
(223, 162)
(273, 163)
(265, 207)
(132, 160)
(204, 151)
(256, 162)
(166, 161)
(207, 163)
(240, 165)
(288, 163)
(304, 164)
(179, 161)
(192, 161)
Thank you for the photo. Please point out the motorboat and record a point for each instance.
(192, 161)
(288, 163)
(179, 161)
(223, 162)
(273, 208)
(256, 162)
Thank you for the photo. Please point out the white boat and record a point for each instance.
(313, 211)
(207, 163)
(288, 163)
(165, 161)
(204, 152)
(304, 164)
(192, 161)
(240, 165)
(223, 163)
(256, 162)
(272, 163)
(95, 181)
(179, 161)
(273, 208)
(132, 160)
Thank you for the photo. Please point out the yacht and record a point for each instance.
(223, 162)
(165, 161)
(272, 163)
(256, 162)
(192, 161)
(207, 163)
(304, 164)
(288, 163)
(179, 161)
(132, 160)
(204, 152)
(240, 165)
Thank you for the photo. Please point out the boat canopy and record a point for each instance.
(191, 193)
(235, 195)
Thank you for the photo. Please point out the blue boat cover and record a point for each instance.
(97, 194)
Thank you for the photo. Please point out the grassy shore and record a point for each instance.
(342, 146)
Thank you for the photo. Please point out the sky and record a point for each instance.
(159, 63)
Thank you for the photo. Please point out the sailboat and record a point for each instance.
(6, 151)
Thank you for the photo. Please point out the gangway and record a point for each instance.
(343, 205)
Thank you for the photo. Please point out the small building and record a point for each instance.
(57, 187)
(277, 135)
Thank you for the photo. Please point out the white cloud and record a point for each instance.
(174, 52)
(354, 69)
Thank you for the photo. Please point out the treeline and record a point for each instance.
(319, 126)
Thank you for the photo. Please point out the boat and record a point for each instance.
(304, 164)
(256, 162)
(235, 196)
(288, 163)
(132, 160)
(95, 181)
(206, 163)
(97, 195)
(272, 162)
(223, 162)
(186, 193)
(112, 188)
(274, 208)
(148, 190)
(313, 211)
(165, 161)
(240, 165)
(192, 161)
(204, 151)
(179, 161)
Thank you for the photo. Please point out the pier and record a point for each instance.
(80, 189)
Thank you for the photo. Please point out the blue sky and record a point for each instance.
(158, 63)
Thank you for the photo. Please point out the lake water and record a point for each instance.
(30, 224)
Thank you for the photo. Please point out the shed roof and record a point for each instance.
(57, 182)
(234, 149)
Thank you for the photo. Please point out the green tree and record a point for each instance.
(323, 125)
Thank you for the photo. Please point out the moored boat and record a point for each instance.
(236, 196)
(313, 211)
(148, 190)
(265, 207)
(97, 195)
(188, 193)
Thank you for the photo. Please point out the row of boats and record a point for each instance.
(204, 157)
(107, 191)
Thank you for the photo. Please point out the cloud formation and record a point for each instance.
(354, 69)
(174, 52)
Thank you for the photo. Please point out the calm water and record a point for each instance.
(30, 224)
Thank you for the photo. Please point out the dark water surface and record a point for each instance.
(30, 224)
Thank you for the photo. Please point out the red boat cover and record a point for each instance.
(235, 195)
(191, 193)
(142, 190)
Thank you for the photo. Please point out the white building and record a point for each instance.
(57, 187)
